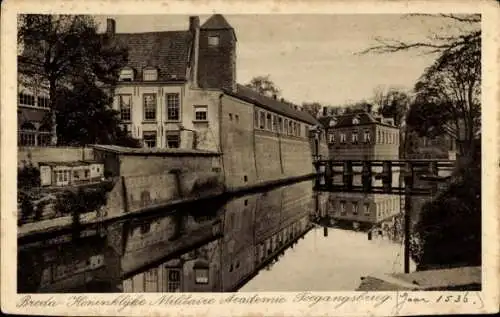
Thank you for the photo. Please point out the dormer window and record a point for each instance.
(213, 40)
(150, 74)
(355, 120)
(332, 123)
(127, 74)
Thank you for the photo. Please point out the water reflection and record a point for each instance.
(284, 239)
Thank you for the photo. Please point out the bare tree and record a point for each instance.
(435, 43)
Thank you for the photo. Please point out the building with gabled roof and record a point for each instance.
(360, 135)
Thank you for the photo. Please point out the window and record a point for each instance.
(43, 102)
(256, 119)
(87, 173)
(342, 137)
(43, 139)
(126, 74)
(27, 139)
(299, 129)
(331, 137)
(150, 75)
(213, 40)
(26, 99)
(173, 280)
(237, 118)
(354, 137)
(149, 138)
(200, 113)
(268, 122)
(230, 117)
(355, 208)
(151, 280)
(342, 207)
(290, 124)
(366, 208)
(149, 107)
(280, 124)
(355, 120)
(201, 275)
(262, 120)
(173, 106)
(125, 106)
(366, 137)
(275, 123)
(285, 128)
(173, 139)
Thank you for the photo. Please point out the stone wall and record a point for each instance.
(151, 164)
(35, 155)
(135, 193)
(238, 142)
(253, 156)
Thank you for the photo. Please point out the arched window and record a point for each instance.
(27, 135)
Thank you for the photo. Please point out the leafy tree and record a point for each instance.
(66, 48)
(264, 85)
(448, 233)
(85, 117)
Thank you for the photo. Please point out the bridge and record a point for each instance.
(397, 177)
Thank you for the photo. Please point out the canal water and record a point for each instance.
(284, 239)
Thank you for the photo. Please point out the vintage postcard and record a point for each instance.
(279, 158)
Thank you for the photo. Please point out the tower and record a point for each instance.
(217, 54)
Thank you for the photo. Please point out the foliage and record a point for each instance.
(68, 49)
(28, 177)
(82, 200)
(264, 85)
(85, 117)
(448, 233)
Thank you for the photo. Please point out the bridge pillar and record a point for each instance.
(387, 176)
(347, 175)
(329, 174)
(366, 176)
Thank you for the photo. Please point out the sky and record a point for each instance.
(315, 57)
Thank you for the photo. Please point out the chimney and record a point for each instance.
(194, 28)
(194, 23)
(275, 96)
(110, 27)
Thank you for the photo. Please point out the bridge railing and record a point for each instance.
(421, 177)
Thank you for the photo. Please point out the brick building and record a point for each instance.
(169, 94)
(361, 136)
(33, 106)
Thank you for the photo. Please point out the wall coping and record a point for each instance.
(120, 150)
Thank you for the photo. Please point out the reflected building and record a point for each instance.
(363, 210)
(213, 246)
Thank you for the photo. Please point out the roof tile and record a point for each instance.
(166, 51)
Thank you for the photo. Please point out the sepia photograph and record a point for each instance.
(247, 153)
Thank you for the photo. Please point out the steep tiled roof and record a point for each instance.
(252, 96)
(216, 22)
(166, 51)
